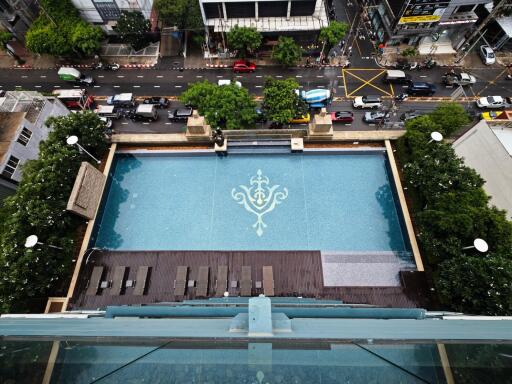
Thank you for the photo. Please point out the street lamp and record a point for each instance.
(480, 245)
(33, 240)
(436, 136)
(73, 140)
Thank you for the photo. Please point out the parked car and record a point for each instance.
(367, 102)
(125, 100)
(418, 88)
(487, 55)
(462, 78)
(375, 117)
(342, 117)
(179, 114)
(304, 119)
(412, 114)
(397, 77)
(228, 82)
(144, 112)
(159, 102)
(494, 102)
(243, 66)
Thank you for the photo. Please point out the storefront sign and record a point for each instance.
(423, 11)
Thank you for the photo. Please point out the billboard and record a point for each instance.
(423, 11)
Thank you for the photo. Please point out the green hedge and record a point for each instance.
(451, 209)
(39, 207)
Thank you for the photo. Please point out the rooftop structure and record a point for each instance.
(489, 151)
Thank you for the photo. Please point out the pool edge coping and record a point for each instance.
(89, 230)
(403, 206)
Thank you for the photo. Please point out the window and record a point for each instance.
(24, 136)
(107, 9)
(11, 166)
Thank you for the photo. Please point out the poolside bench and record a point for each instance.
(140, 280)
(118, 280)
(94, 282)
(221, 285)
(181, 280)
(202, 281)
(246, 281)
(268, 281)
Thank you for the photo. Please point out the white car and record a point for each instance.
(491, 102)
(228, 82)
(487, 55)
(367, 102)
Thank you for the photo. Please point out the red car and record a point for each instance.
(243, 66)
(342, 117)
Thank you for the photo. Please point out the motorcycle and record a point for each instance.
(401, 97)
(508, 77)
(427, 64)
(107, 67)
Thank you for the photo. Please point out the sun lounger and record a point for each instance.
(246, 281)
(202, 281)
(94, 282)
(140, 280)
(181, 281)
(221, 285)
(268, 281)
(118, 281)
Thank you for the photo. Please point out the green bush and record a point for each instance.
(59, 31)
(39, 207)
(451, 209)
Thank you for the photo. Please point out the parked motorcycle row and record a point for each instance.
(106, 67)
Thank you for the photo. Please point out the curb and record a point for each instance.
(126, 66)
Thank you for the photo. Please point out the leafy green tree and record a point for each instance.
(287, 52)
(477, 284)
(5, 37)
(409, 52)
(60, 31)
(39, 207)
(244, 40)
(450, 117)
(86, 38)
(332, 34)
(225, 106)
(133, 29)
(184, 14)
(280, 101)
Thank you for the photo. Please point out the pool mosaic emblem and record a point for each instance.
(259, 198)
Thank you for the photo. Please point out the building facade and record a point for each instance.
(22, 127)
(106, 12)
(270, 17)
(430, 21)
(16, 16)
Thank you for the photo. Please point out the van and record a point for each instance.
(72, 74)
(147, 112)
(121, 100)
(421, 89)
(367, 102)
(396, 77)
(108, 111)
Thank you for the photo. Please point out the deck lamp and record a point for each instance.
(33, 240)
(73, 140)
(480, 245)
(436, 136)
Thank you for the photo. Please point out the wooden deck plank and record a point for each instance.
(94, 282)
(268, 280)
(141, 280)
(221, 283)
(118, 280)
(296, 273)
(202, 281)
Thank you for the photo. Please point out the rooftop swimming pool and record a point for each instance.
(330, 201)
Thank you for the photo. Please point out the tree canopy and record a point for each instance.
(39, 207)
(224, 106)
(451, 209)
(287, 52)
(184, 14)
(280, 101)
(5, 37)
(60, 31)
(333, 34)
(133, 29)
(244, 40)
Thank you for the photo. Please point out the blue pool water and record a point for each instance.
(324, 201)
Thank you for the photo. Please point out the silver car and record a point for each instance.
(487, 55)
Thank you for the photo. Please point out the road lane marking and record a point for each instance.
(145, 123)
(177, 86)
(298, 76)
(258, 86)
(321, 86)
(43, 76)
(219, 77)
(37, 86)
(97, 86)
(259, 76)
(124, 123)
(140, 76)
(24, 77)
(168, 123)
(156, 86)
(76, 86)
(423, 76)
(55, 86)
(199, 76)
(319, 75)
(120, 76)
(339, 77)
(179, 77)
(101, 76)
(279, 76)
(159, 76)
(116, 86)
(136, 86)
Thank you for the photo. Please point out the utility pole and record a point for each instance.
(495, 11)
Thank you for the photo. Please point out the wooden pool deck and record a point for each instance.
(296, 273)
